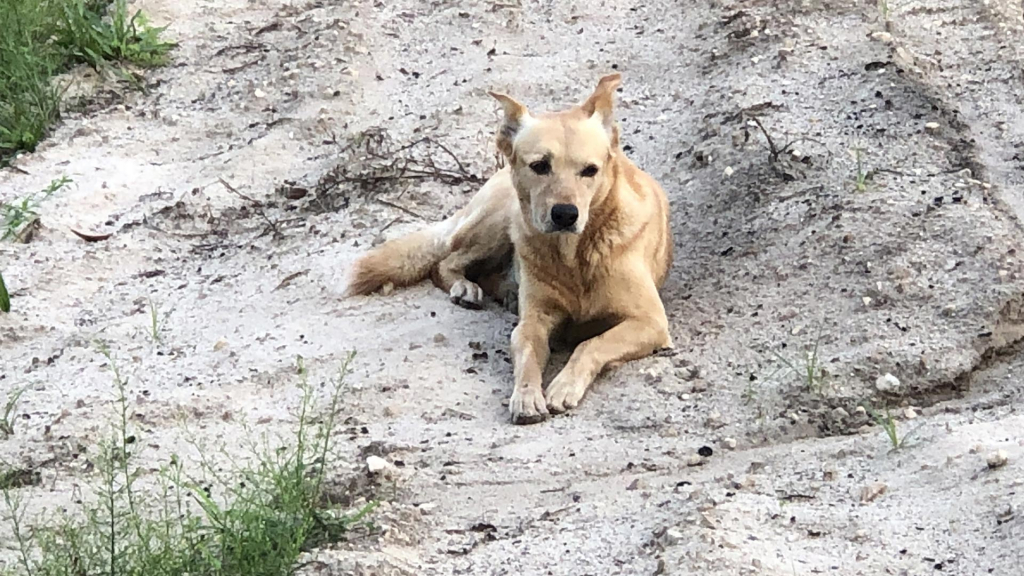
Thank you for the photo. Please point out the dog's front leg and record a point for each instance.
(530, 352)
(630, 339)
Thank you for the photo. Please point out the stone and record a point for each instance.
(998, 459)
(887, 384)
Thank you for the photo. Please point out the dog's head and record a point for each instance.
(560, 162)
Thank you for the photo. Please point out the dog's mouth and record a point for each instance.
(556, 230)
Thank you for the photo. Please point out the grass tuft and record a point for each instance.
(889, 425)
(810, 370)
(5, 298)
(7, 420)
(42, 38)
(258, 522)
(16, 217)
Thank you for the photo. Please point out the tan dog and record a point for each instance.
(590, 236)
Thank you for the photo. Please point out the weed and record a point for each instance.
(28, 59)
(42, 38)
(7, 422)
(5, 298)
(883, 10)
(154, 323)
(18, 216)
(256, 523)
(888, 424)
(87, 36)
(863, 176)
(812, 374)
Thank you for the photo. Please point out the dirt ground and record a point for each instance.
(228, 210)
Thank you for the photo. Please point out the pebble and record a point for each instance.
(694, 460)
(673, 536)
(729, 443)
(910, 413)
(260, 93)
(840, 414)
(706, 521)
(870, 493)
(932, 126)
(728, 171)
(687, 373)
(998, 459)
(378, 465)
(887, 384)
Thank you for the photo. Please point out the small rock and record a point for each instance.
(910, 414)
(687, 373)
(882, 37)
(714, 420)
(387, 289)
(998, 459)
(728, 171)
(260, 93)
(870, 493)
(756, 466)
(705, 451)
(729, 443)
(840, 414)
(706, 522)
(220, 345)
(694, 460)
(932, 127)
(887, 384)
(378, 465)
(673, 536)
(440, 338)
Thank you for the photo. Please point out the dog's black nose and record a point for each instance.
(564, 215)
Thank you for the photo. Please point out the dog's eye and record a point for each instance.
(589, 172)
(541, 167)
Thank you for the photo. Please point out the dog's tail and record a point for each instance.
(402, 261)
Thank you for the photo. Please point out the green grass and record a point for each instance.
(810, 371)
(863, 176)
(17, 216)
(5, 298)
(889, 425)
(254, 521)
(154, 323)
(42, 38)
(7, 419)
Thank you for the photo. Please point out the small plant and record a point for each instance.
(812, 374)
(7, 421)
(19, 215)
(863, 176)
(256, 521)
(883, 10)
(154, 323)
(5, 298)
(90, 37)
(889, 425)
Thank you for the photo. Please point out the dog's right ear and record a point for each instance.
(516, 116)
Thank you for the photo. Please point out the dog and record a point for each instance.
(570, 234)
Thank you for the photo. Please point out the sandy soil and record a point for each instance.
(918, 276)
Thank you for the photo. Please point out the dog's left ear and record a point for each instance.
(599, 105)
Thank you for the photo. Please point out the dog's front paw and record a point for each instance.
(467, 294)
(564, 393)
(527, 405)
